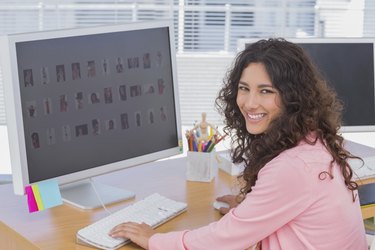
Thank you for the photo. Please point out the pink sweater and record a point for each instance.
(289, 208)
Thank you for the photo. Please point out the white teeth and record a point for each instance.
(255, 116)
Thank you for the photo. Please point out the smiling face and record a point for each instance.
(257, 99)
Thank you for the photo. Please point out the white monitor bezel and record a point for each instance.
(14, 108)
(241, 43)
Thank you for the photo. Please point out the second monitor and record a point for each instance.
(348, 66)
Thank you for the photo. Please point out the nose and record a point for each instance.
(252, 101)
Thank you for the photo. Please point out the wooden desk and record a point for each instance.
(55, 228)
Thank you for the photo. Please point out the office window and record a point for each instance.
(206, 31)
(369, 19)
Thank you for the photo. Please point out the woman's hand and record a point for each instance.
(231, 200)
(138, 233)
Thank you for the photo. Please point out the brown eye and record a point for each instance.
(266, 91)
(243, 88)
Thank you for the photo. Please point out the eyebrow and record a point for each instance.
(268, 85)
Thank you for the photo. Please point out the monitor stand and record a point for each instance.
(82, 194)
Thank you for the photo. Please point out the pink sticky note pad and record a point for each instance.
(33, 207)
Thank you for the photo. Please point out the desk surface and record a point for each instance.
(56, 227)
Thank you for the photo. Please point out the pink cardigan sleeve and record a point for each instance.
(282, 191)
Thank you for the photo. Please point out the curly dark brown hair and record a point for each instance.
(308, 105)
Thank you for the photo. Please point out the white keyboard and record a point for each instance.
(154, 210)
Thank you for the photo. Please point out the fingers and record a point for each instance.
(128, 229)
(225, 198)
(138, 233)
(231, 200)
(224, 210)
(121, 231)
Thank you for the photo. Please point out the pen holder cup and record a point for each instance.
(201, 166)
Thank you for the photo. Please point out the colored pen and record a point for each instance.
(221, 138)
(211, 147)
(195, 146)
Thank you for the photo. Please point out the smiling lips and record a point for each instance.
(255, 117)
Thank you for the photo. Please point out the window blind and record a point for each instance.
(206, 31)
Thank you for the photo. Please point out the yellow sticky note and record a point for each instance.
(37, 196)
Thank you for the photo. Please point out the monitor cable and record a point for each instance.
(98, 196)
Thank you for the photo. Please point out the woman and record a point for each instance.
(298, 190)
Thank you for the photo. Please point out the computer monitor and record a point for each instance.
(348, 66)
(88, 101)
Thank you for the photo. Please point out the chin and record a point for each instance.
(255, 131)
(257, 128)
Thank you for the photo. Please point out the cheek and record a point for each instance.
(278, 102)
(238, 100)
(277, 105)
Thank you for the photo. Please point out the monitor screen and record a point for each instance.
(85, 102)
(348, 66)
